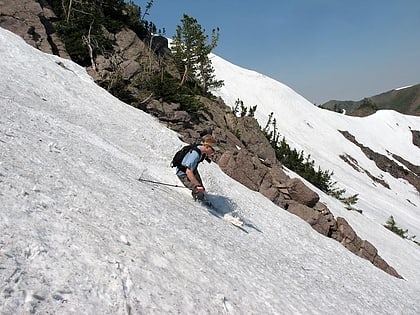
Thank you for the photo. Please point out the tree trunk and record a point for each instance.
(184, 76)
(88, 42)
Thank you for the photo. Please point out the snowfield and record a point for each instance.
(81, 235)
(316, 132)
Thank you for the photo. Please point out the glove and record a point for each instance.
(199, 188)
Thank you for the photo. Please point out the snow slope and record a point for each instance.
(315, 131)
(80, 235)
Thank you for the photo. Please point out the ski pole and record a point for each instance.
(160, 183)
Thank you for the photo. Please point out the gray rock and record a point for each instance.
(32, 20)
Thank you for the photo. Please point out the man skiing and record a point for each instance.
(188, 171)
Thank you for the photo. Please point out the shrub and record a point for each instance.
(297, 162)
(242, 110)
(167, 89)
(392, 226)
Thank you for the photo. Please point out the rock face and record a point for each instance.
(416, 137)
(246, 154)
(33, 21)
(128, 48)
(411, 173)
(362, 248)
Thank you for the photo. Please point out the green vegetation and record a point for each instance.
(392, 226)
(87, 29)
(367, 107)
(301, 164)
(336, 108)
(350, 201)
(196, 74)
(242, 110)
(168, 90)
(190, 53)
(117, 87)
(85, 26)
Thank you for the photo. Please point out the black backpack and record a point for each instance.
(179, 156)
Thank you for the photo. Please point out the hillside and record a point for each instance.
(319, 133)
(383, 175)
(81, 234)
(405, 100)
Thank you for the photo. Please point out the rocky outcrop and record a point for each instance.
(294, 196)
(416, 137)
(410, 173)
(355, 165)
(129, 58)
(238, 165)
(346, 235)
(320, 219)
(299, 192)
(33, 21)
(249, 133)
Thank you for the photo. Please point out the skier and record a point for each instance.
(188, 171)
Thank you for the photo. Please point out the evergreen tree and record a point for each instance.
(392, 226)
(190, 52)
(85, 25)
(252, 111)
(297, 161)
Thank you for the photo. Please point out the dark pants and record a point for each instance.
(197, 195)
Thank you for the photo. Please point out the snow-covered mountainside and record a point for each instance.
(316, 132)
(79, 234)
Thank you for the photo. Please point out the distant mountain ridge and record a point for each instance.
(404, 100)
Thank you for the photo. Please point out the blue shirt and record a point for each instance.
(190, 160)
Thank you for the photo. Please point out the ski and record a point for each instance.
(228, 217)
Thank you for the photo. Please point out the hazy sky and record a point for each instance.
(323, 49)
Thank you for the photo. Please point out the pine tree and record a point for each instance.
(190, 51)
(252, 111)
(392, 226)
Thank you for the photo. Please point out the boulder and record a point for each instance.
(243, 167)
(301, 193)
(253, 139)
